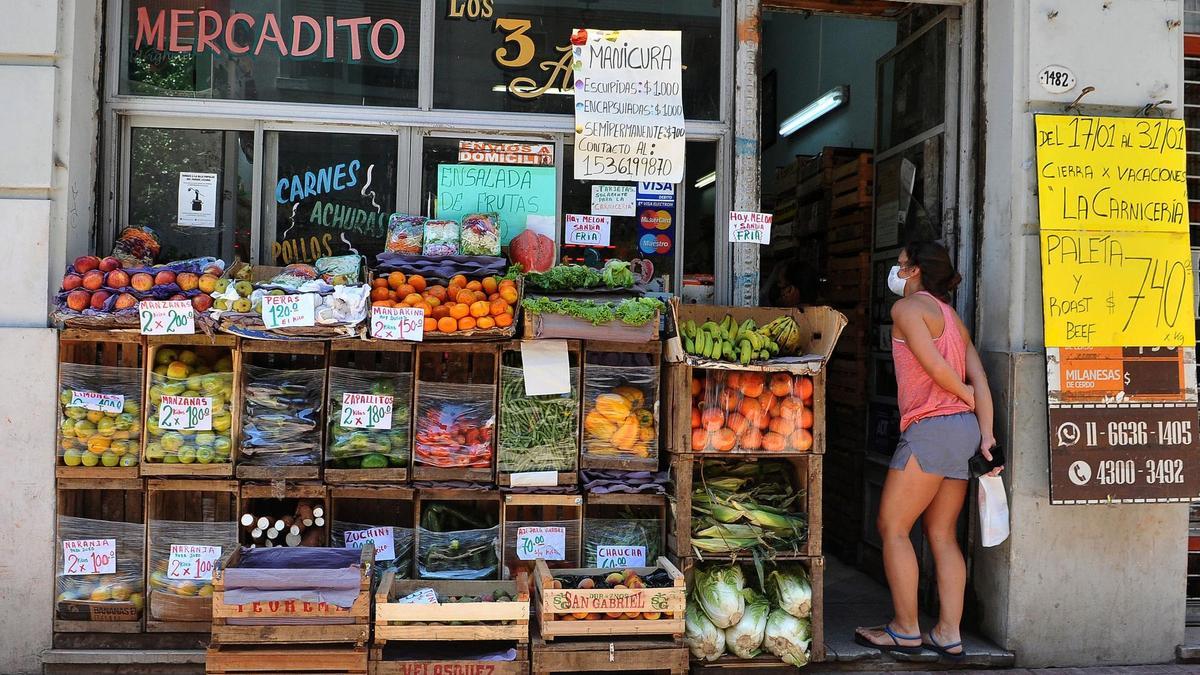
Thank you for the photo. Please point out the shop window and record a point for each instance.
(912, 88)
(700, 188)
(515, 56)
(173, 172)
(331, 194)
(306, 51)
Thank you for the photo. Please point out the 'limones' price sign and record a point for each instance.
(166, 317)
(185, 413)
(190, 561)
(366, 411)
(286, 311)
(93, 400)
(398, 323)
(89, 556)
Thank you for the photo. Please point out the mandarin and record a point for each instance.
(459, 310)
(447, 324)
(497, 307)
(406, 289)
(490, 285)
(417, 281)
(412, 299)
(466, 323)
(465, 296)
(504, 320)
(396, 280)
(379, 293)
(509, 294)
(479, 309)
(438, 292)
(381, 282)
(430, 325)
(485, 322)
(458, 280)
(474, 286)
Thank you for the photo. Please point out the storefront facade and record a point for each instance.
(341, 115)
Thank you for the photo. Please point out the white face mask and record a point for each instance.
(895, 283)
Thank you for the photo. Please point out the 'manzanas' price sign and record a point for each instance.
(166, 317)
(285, 311)
(366, 411)
(185, 413)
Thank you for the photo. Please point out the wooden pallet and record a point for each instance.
(609, 656)
(463, 363)
(624, 461)
(280, 354)
(380, 664)
(292, 658)
(852, 184)
(116, 348)
(459, 621)
(381, 356)
(567, 473)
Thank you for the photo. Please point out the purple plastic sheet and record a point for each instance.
(329, 575)
(440, 267)
(628, 482)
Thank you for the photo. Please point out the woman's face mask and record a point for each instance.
(895, 283)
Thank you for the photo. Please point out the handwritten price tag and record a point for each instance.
(185, 413)
(167, 317)
(746, 227)
(547, 543)
(620, 556)
(89, 556)
(398, 323)
(192, 562)
(92, 400)
(383, 538)
(285, 311)
(366, 411)
(421, 596)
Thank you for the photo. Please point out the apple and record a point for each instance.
(71, 282)
(207, 283)
(178, 296)
(86, 263)
(141, 282)
(214, 270)
(125, 301)
(187, 281)
(116, 279)
(201, 303)
(99, 298)
(79, 300)
(242, 305)
(109, 264)
(93, 280)
(164, 278)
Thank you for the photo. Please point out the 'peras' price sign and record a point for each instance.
(286, 311)
(89, 556)
(166, 317)
(366, 411)
(185, 413)
(398, 323)
(547, 543)
(189, 561)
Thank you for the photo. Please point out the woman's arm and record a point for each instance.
(984, 411)
(916, 335)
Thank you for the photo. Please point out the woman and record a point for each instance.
(946, 416)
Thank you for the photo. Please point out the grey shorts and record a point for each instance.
(942, 445)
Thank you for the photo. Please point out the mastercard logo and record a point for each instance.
(655, 220)
(655, 244)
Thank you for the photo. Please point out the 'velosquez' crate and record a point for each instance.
(591, 611)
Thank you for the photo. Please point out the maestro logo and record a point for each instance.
(655, 244)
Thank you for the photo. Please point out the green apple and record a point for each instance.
(154, 451)
(211, 384)
(222, 285)
(72, 457)
(161, 370)
(172, 441)
(204, 439)
(223, 446)
(175, 388)
(90, 459)
(244, 288)
(222, 421)
(194, 382)
(129, 460)
(205, 455)
(152, 427)
(165, 356)
(188, 356)
(223, 365)
(110, 458)
(154, 395)
(187, 454)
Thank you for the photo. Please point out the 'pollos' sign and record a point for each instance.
(297, 36)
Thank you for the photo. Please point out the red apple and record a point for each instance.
(71, 282)
(109, 264)
(86, 263)
(178, 296)
(79, 300)
(99, 298)
(117, 279)
(125, 301)
(202, 302)
(214, 270)
(93, 280)
(187, 281)
(141, 281)
(164, 278)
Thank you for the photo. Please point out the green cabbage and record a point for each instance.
(719, 594)
(704, 640)
(788, 637)
(791, 592)
(745, 637)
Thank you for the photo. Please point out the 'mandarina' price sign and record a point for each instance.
(1117, 302)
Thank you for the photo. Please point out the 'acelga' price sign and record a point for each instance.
(166, 317)
(366, 411)
(89, 556)
(185, 413)
(286, 311)
(94, 400)
(190, 561)
(620, 557)
(746, 227)
(547, 543)
(383, 537)
(398, 323)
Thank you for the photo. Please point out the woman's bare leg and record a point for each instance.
(941, 528)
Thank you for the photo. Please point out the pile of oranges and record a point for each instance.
(460, 305)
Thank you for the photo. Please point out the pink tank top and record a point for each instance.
(918, 395)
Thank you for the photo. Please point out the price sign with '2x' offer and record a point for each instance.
(283, 311)
(398, 323)
(366, 411)
(189, 561)
(185, 413)
(166, 317)
(89, 556)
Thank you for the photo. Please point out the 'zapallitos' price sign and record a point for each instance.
(94, 400)
(366, 411)
(195, 562)
(89, 556)
(398, 323)
(185, 413)
(286, 311)
(166, 317)
(547, 543)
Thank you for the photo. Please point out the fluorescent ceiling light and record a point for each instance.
(525, 89)
(827, 102)
(707, 179)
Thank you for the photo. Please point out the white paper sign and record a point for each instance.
(534, 479)
(190, 561)
(366, 411)
(166, 317)
(89, 556)
(94, 400)
(547, 543)
(544, 225)
(614, 200)
(185, 413)
(284, 311)
(620, 557)
(398, 323)
(628, 105)
(585, 230)
(746, 227)
(383, 538)
(546, 367)
(421, 596)
(197, 205)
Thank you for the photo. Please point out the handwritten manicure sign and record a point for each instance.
(383, 537)
(195, 562)
(89, 556)
(285, 311)
(586, 230)
(185, 413)
(93, 400)
(166, 317)
(547, 543)
(398, 323)
(746, 227)
(366, 411)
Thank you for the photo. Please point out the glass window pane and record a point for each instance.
(333, 194)
(517, 58)
(353, 52)
(159, 156)
(912, 89)
(699, 223)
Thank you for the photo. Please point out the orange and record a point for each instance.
(695, 418)
(412, 299)
(781, 384)
(479, 309)
(430, 325)
(699, 439)
(438, 291)
(504, 320)
(395, 280)
(466, 323)
(474, 286)
(806, 418)
(804, 386)
(509, 294)
(751, 440)
(781, 426)
(712, 418)
(737, 423)
(440, 311)
(392, 295)
(460, 310)
(433, 302)
(498, 307)
(447, 324)
(381, 282)
(425, 307)
(507, 283)
(465, 296)
(490, 285)
(485, 322)
(383, 303)
(458, 280)
(723, 440)
(417, 281)
(493, 296)
(800, 440)
(379, 293)
(774, 442)
(480, 296)
(406, 289)
(752, 384)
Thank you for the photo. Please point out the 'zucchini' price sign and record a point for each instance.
(94, 400)
(620, 557)
(194, 562)
(398, 323)
(185, 413)
(384, 539)
(286, 311)
(366, 411)
(547, 543)
(166, 317)
(89, 556)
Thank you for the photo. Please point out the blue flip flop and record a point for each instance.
(896, 638)
(943, 650)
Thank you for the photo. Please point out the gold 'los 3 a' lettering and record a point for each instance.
(469, 9)
(517, 51)
(302, 249)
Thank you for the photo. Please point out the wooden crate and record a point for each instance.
(458, 621)
(210, 348)
(808, 477)
(201, 501)
(849, 232)
(535, 510)
(385, 663)
(620, 506)
(465, 498)
(316, 658)
(560, 326)
(329, 623)
(534, 476)
(623, 461)
(118, 500)
(551, 604)
(852, 183)
(386, 356)
(117, 348)
(283, 354)
(679, 378)
(465, 363)
(279, 499)
(609, 656)
(379, 506)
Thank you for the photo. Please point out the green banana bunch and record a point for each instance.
(742, 343)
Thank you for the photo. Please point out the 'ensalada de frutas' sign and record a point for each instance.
(628, 105)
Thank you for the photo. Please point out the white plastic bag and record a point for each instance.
(993, 511)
